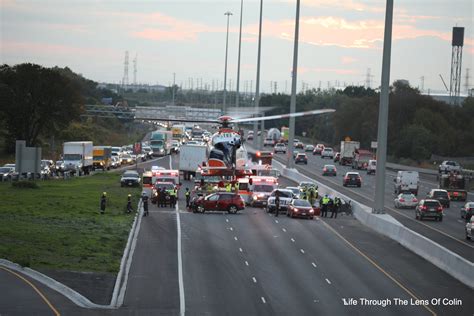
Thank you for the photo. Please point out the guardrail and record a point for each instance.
(448, 261)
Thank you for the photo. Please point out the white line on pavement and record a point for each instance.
(227, 220)
(284, 230)
(235, 238)
(276, 221)
(314, 264)
(302, 251)
(247, 263)
(329, 282)
(263, 300)
(182, 304)
(292, 240)
(231, 229)
(254, 280)
(240, 249)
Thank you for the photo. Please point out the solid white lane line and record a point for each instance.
(240, 249)
(329, 282)
(284, 230)
(292, 240)
(182, 303)
(247, 263)
(254, 280)
(302, 251)
(314, 264)
(263, 300)
(235, 238)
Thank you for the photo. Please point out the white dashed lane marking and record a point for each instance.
(292, 240)
(235, 238)
(263, 300)
(247, 263)
(302, 251)
(240, 249)
(284, 230)
(254, 280)
(329, 282)
(314, 264)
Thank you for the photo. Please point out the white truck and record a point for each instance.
(190, 158)
(78, 157)
(407, 181)
(347, 152)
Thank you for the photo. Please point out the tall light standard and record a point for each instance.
(257, 90)
(228, 13)
(174, 88)
(291, 135)
(238, 58)
(383, 112)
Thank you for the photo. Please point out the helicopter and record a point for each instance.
(227, 153)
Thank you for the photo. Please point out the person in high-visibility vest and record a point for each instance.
(236, 187)
(228, 187)
(324, 206)
(187, 194)
(173, 194)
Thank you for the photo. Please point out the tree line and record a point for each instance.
(418, 125)
(39, 104)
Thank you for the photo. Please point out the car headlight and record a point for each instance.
(296, 210)
(311, 211)
(254, 197)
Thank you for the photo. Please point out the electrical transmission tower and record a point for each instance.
(135, 70)
(456, 63)
(125, 70)
(368, 79)
(466, 81)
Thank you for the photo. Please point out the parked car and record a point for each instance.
(429, 208)
(352, 178)
(329, 170)
(301, 158)
(327, 152)
(470, 228)
(309, 148)
(285, 198)
(318, 149)
(405, 200)
(337, 157)
(441, 195)
(279, 148)
(371, 166)
(447, 166)
(467, 211)
(220, 201)
(300, 208)
(130, 178)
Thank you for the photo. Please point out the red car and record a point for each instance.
(318, 149)
(300, 208)
(220, 201)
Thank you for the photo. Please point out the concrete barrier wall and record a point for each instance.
(443, 258)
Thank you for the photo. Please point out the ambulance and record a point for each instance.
(244, 190)
(148, 180)
(260, 188)
(167, 175)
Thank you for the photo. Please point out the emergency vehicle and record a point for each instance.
(244, 190)
(167, 176)
(147, 179)
(261, 188)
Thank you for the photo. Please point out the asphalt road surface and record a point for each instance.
(252, 263)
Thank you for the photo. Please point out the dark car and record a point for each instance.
(220, 201)
(352, 178)
(300, 208)
(130, 178)
(329, 170)
(301, 158)
(441, 195)
(467, 211)
(429, 208)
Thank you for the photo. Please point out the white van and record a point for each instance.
(407, 181)
(372, 166)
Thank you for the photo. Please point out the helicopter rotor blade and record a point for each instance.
(280, 116)
(178, 120)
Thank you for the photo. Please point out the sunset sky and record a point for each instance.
(339, 39)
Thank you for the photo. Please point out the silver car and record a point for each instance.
(405, 200)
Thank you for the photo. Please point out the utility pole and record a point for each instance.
(238, 58)
(291, 136)
(228, 13)
(383, 113)
(257, 90)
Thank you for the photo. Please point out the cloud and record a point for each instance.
(16, 47)
(339, 71)
(352, 5)
(348, 60)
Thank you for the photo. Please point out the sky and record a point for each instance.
(340, 40)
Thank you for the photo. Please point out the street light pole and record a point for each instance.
(228, 13)
(383, 113)
(257, 90)
(291, 132)
(174, 80)
(238, 58)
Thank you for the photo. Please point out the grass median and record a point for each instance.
(58, 225)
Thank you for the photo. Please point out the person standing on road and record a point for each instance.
(335, 208)
(324, 206)
(145, 204)
(311, 196)
(277, 203)
(187, 194)
(103, 202)
(162, 197)
(173, 198)
(129, 204)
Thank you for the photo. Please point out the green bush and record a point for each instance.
(25, 185)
